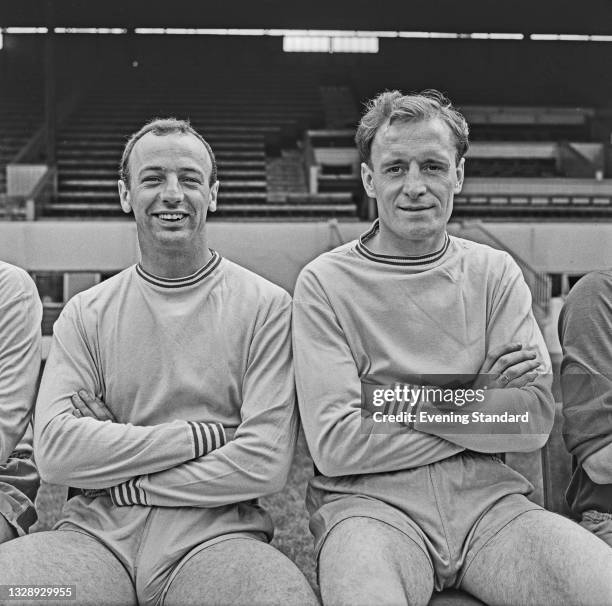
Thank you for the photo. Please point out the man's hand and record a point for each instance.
(507, 366)
(86, 405)
(7, 532)
(598, 465)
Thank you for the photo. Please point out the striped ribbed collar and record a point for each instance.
(194, 278)
(415, 261)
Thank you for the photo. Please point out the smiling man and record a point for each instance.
(413, 171)
(413, 501)
(168, 397)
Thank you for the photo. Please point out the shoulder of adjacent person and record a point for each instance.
(595, 283)
(15, 282)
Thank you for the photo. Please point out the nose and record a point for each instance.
(413, 182)
(173, 192)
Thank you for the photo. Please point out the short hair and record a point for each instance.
(160, 127)
(392, 106)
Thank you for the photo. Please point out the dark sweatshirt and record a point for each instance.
(585, 330)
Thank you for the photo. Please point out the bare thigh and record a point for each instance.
(239, 571)
(542, 558)
(64, 557)
(454, 597)
(366, 561)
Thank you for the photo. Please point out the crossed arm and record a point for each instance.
(523, 388)
(342, 442)
(19, 483)
(20, 316)
(156, 465)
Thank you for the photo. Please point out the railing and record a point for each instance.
(33, 150)
(524, 206)
(539, 283)
(576, 164)
(479, 114)
(335, 235)
(521, 198)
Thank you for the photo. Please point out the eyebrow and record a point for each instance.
(149, 168)
(426, 157)
(182, 169)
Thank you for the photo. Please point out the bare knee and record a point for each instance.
(366, 561)
(69, 559)
(543, 558)
(240, 571)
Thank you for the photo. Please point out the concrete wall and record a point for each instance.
(279, 250)
(574, 248)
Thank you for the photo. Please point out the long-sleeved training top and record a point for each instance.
(585, 331)
(175, 360)
(366, 317)
(20, 317)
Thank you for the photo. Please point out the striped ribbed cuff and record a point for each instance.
(206, 437)
(127, 493)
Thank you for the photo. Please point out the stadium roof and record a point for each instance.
(524, 16)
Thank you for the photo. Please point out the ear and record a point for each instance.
(212, 203)
(124, 196)
(367, 176)
(460, 168)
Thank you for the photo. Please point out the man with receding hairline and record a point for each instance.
(168, 399)
(410, 500)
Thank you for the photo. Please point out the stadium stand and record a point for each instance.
(339, 107)
(259, 119)
(524, 199)
(523, 123)
(524, 162)
(247, 122)
(20, 117)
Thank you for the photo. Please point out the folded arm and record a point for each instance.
(342, 440)
(511, 320)
(88, 453)
(19, 483)
(599, 465)
(20, 338)
(20, 317)
(257, 460)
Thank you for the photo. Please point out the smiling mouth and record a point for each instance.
(170, 217)
(413, 209)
